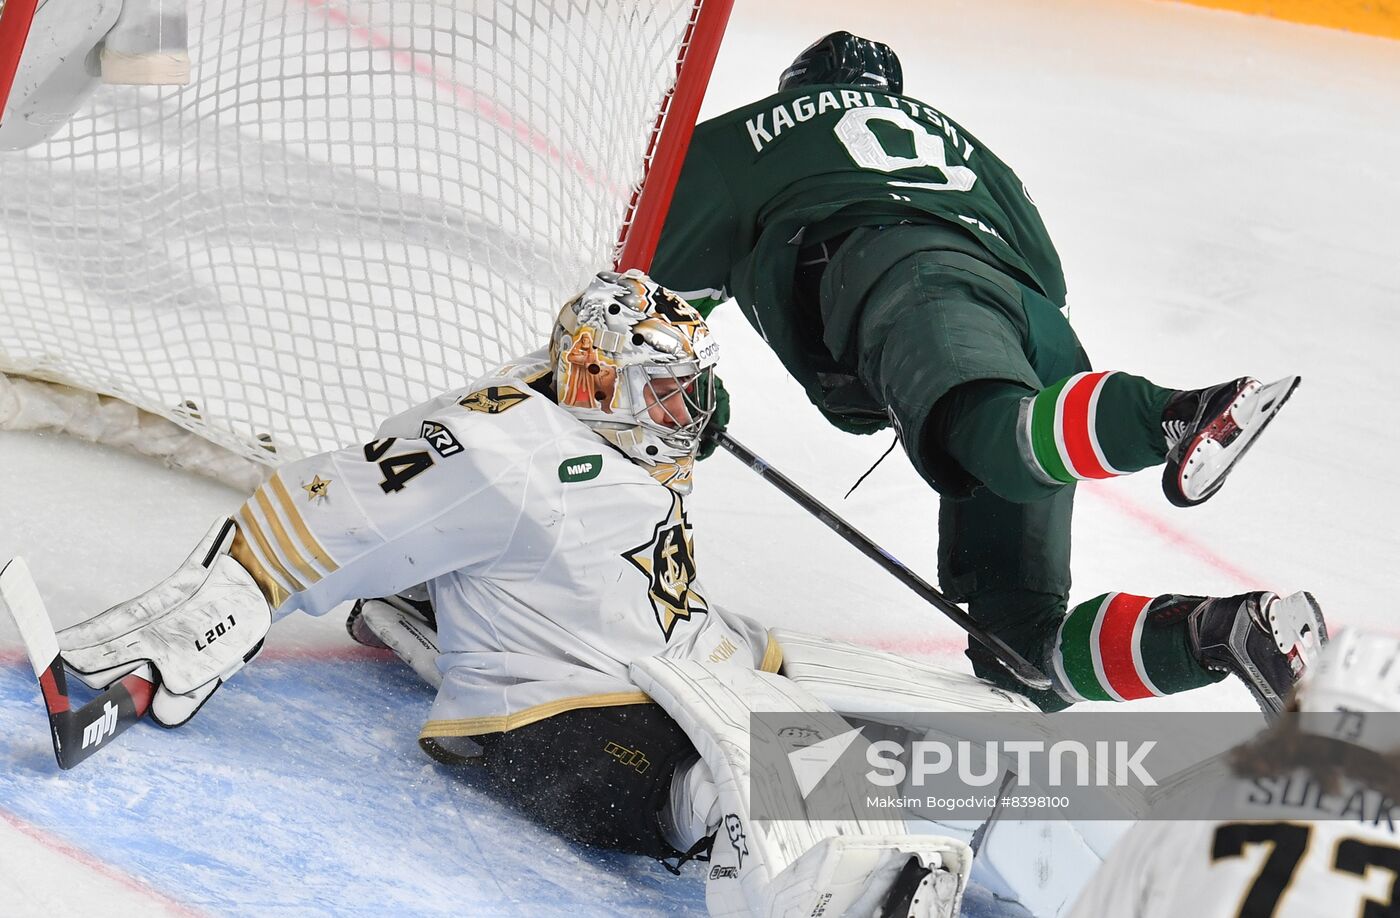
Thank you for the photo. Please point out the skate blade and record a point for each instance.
(1266, 402)
(1299, 630)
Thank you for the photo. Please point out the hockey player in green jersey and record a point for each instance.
(903, 275)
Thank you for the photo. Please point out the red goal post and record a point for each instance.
(15, 18)
(351, 208)
(675, 122)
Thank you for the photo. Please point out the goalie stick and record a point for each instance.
(1016, 664)
(76, 734)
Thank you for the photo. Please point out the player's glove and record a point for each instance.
(196, 629)
(718, 423)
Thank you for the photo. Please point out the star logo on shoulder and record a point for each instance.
(493, 399)
(317, 489)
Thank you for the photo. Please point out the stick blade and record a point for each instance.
(19, 595)
(76, 734)
(1024, 671)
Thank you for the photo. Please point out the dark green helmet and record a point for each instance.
(845, 59)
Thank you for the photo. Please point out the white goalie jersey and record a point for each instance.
(551, 559)
(1293, 850)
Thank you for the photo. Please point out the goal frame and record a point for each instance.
(670, 139)
(15, 18)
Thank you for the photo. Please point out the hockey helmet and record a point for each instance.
(848, 60)
(1358, 673)
(634, 362)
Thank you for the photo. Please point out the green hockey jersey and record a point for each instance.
(799, 167)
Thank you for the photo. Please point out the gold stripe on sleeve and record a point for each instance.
(311, 575)
(248, 526)
(299, 525)
(772, 656)
(272, 591)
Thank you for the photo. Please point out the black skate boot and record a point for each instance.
(1267, 641)
(1209, 430)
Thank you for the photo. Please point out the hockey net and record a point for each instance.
(351, 208)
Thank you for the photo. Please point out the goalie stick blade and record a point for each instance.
(20, 597)
(76, 734)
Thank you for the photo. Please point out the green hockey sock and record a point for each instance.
(1107, 650)
(1093, 425)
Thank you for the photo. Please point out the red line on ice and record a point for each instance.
(337, 654)
(1191, 545)
(92, 863)
(922, 645)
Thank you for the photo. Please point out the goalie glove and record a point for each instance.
(195, 629)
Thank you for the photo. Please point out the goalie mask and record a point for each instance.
(634, 362)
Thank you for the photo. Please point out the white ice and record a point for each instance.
(1224, 195)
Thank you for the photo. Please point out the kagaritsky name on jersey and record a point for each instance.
(1301, 791)
(768, 125)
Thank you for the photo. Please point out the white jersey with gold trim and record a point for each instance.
(1277, 859)
(552, 560)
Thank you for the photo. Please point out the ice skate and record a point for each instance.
(403, 624)
(1209, 430)
(1265, 640)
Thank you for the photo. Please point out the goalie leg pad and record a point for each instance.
(196, 629)
(854, 679)
(750, 859)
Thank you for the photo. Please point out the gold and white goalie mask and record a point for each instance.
(634, 362)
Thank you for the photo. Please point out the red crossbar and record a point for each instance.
(15, 17)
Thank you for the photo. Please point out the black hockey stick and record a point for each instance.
(1016, 664)
(76, 734)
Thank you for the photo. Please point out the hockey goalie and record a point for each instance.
(530, 531)
(582, 664)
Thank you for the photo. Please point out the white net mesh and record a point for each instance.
(352, 207)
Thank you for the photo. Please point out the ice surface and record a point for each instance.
(1223, 193)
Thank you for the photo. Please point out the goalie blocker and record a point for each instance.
(164, 652)
(192, 631)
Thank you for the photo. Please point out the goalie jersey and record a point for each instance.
(1292, 850)
(552, 560)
